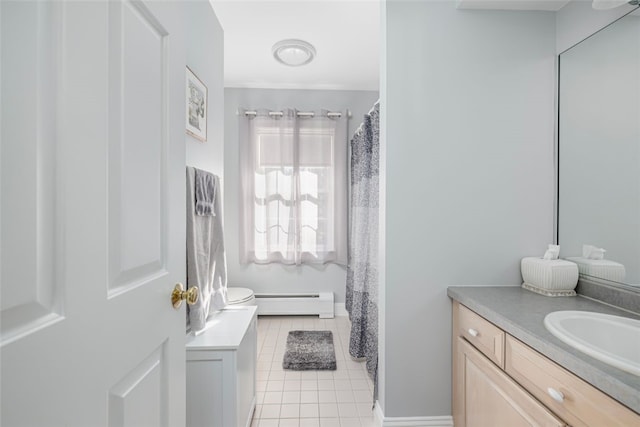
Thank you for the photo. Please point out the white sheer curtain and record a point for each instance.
(293, 183)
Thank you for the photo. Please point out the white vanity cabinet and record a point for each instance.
(221, 370)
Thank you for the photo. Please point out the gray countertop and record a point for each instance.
(521, 313)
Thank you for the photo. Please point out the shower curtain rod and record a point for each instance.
(299, 113)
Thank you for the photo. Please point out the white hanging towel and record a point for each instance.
(206, 259)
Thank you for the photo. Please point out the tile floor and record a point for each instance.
(340, 398)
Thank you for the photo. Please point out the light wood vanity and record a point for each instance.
(500, 381)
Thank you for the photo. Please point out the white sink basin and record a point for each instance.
(611, 339)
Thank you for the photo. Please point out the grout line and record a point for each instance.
(343, 391)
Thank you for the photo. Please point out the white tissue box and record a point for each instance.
(600, 268)
(549, 277)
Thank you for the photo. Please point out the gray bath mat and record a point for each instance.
(310, 350)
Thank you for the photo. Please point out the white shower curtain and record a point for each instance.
(362, 271)
(293, 188)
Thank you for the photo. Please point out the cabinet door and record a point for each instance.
(489, 398)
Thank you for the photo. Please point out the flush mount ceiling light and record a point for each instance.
(610, 4)
(293, 52)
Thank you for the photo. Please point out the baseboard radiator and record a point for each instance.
(320, 303)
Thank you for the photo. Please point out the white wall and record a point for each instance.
(578, 20)
(468, 131)
(277, 277)
(205, 57)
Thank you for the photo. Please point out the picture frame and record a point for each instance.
(197, 106)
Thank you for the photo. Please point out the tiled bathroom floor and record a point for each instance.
(309, 398)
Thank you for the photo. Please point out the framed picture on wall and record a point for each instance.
(196, 120)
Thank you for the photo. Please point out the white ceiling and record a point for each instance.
(346, 35)
(548, 5)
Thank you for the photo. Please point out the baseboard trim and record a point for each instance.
(287, 304)
(440, 421)
(339, 309)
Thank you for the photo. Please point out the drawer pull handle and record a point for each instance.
(556, 395)
(473, 332)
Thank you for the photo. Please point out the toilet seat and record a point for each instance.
(239, 295)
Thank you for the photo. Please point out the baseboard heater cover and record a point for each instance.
(318, 303)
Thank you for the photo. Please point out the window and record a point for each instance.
(294, 189)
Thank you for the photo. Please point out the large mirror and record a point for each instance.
(599, 153)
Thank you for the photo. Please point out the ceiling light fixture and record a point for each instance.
(293, 52)
(610, 4)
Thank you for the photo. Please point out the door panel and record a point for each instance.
(31, 290)
(92, 218)
(138, 140)
(140, 398)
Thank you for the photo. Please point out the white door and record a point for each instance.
(92, 213)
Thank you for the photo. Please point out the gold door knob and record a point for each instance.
(179, 294)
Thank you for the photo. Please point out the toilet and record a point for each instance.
(240, 296)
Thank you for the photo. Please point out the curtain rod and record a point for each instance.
(335, 114)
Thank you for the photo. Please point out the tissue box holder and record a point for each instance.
(554, 278)
(600, 268)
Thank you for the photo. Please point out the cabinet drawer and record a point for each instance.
(484, 335)
(579, 404)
